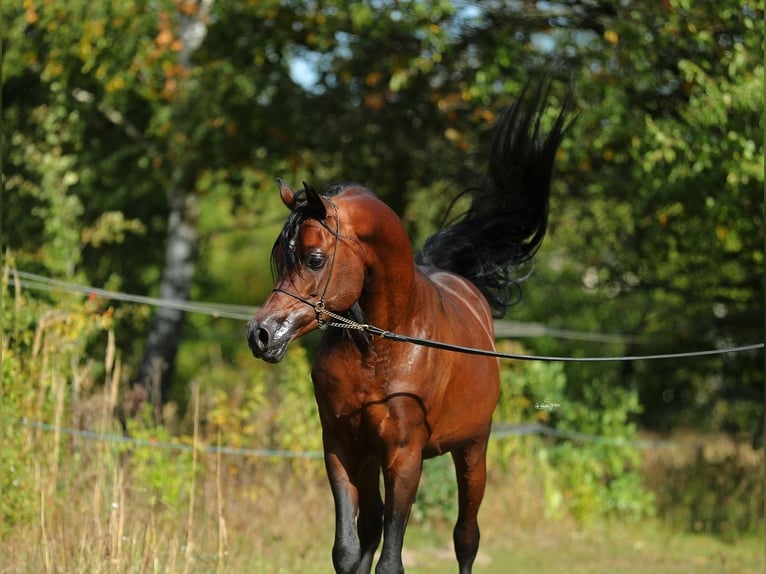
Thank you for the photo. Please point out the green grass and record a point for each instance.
(644, 548)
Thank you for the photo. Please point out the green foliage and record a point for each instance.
(44, 367)
(526, 384)
(164, 475)
(587, 479)
(437, 493)
(16, 474)
(263, 406)
(296, 419)
(56, 208)
(721, 494)
(664, 206)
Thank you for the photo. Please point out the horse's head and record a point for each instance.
(319, 266)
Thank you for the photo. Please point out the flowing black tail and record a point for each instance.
(508, 215)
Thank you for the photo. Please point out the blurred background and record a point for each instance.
(141, 142)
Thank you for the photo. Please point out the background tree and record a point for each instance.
(664, 215)
(120, 127)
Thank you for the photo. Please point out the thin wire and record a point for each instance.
(499, 432)
(38, 282)
(503, 431)
(504, 329)
(242, 312)
(92, 435)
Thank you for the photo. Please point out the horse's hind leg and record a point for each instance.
(471, 471)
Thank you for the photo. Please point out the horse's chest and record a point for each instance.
(343, 390)
(351, 392)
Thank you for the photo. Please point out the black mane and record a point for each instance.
(508, 215)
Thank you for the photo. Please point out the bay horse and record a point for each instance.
(386, 406)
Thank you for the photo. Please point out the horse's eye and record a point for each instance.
(315, 260)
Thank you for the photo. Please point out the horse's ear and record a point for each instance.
(287, 195)
(315, 201)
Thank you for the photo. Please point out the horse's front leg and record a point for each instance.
(403, 439)
(346, 552)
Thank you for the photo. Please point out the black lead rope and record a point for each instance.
(342, 322)
(520, 357)
(488, 353)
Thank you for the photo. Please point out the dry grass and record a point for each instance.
(97, 515)
(102, 509)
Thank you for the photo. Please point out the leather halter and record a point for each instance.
(319, 306)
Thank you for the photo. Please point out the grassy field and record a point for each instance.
(643, 548)
(99, 511)
(92, 504)
(303, 546)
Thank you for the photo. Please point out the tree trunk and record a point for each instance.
(155, 372)
(154, 378)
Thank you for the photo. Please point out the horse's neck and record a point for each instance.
(388, 300)
(392, 283)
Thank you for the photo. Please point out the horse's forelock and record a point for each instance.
(286, 239)
(298, 216)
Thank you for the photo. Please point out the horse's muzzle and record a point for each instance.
(267, 339)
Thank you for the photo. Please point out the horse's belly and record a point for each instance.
(466, 407)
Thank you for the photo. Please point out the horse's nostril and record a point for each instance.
(258, 338)
(263, 338)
